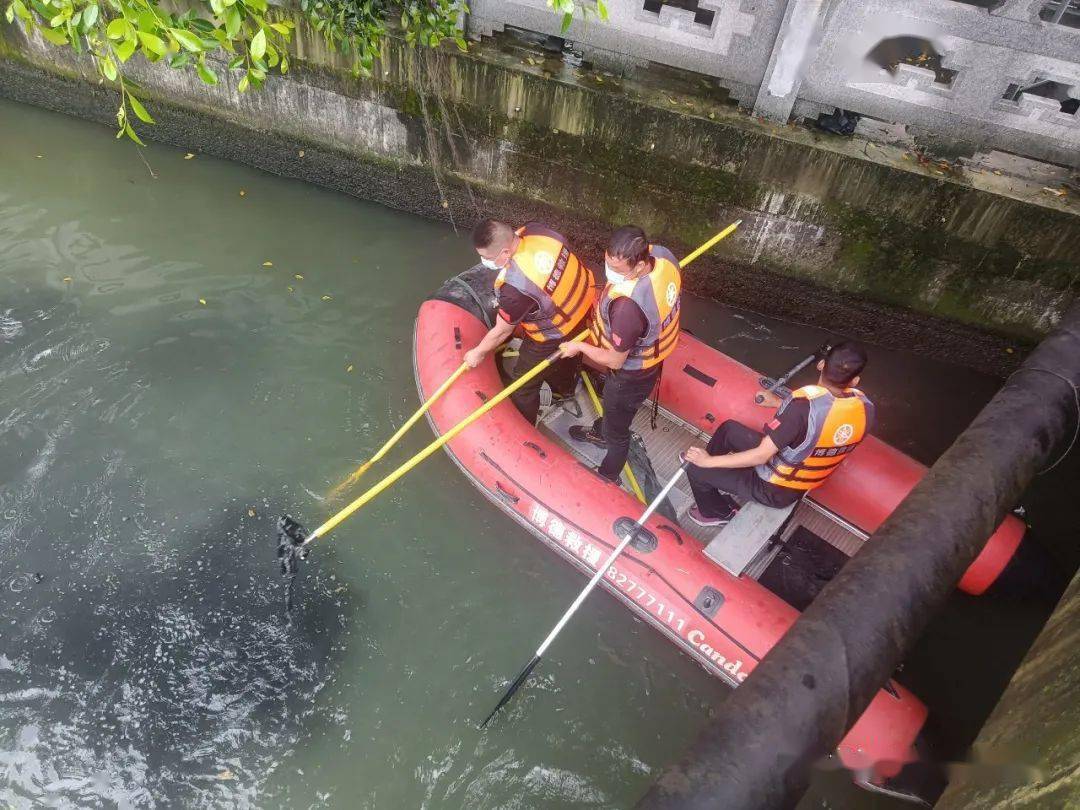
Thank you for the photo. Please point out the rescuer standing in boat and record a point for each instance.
(544, 289)
(809, 437)
(635, 326)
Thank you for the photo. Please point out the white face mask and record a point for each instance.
(489, 264)
(613, 276)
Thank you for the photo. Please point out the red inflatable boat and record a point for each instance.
(724, 600)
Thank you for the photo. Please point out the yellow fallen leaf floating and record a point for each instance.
(39, 157)
(226, 774)
(348, 368)
(202, 301)
(298, 276)
(67, 279)
(1010, 351)
(268, 264)
(301, 153)
(189, 156)
(1057, 192)
(242, 192)
(327, 298)
(251, 512)
(291, 289)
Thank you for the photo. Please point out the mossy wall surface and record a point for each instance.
(830, 225)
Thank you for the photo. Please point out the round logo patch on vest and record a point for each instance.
(671, 294)
(843, 434)
(543, 262)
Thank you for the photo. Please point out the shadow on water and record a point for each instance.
(182, 686)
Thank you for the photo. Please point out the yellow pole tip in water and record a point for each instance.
(189, 156)
(242, 192)
(328, 298)
(298, 277)
(268, 264)
(349, 368)
(202, 301)
(291, 288)
(67, 279)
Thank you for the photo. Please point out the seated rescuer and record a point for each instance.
(808, 438)
(635, 326)
(541, 286)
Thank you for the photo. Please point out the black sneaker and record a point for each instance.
(713, 522)
(580, 433)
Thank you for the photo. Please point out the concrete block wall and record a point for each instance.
(729, 47)
(989, 50)
(780, 57)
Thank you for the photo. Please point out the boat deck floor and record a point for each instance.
(663, 445)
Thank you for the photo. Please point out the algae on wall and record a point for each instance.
(595, 154)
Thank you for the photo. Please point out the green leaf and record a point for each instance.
(55, 36)
(567, 18)
(118, 29)
(21, 11)
(108, 67)
(232, 21)
(152, 43)
(90, 16)
(188, 40)
(236, 62)
(217, 6)
(601, 10)
(131, 134)
(206, 74)
(180, 60)
(243, 86)
(9, 15)
(125, 49)
(139, 110)
(284, 65)
(280, 28)
(258, 44)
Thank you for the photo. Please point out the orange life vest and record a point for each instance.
(544, 269)
(659, 295)
(835, 427)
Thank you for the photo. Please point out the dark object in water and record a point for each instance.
(290, 552)
(841, 122)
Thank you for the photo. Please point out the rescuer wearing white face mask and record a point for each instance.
(634, 328)
(544, 290)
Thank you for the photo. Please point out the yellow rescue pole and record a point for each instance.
(438, 443)
(401, 431)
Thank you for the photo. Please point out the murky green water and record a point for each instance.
(149, 440)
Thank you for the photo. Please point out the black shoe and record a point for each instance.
(580, 433)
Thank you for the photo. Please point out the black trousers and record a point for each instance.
(561, 377)
(713, 487)
(623, 395)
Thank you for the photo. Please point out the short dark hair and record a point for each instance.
(488, 231)
(629, 243)
(844, 362)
